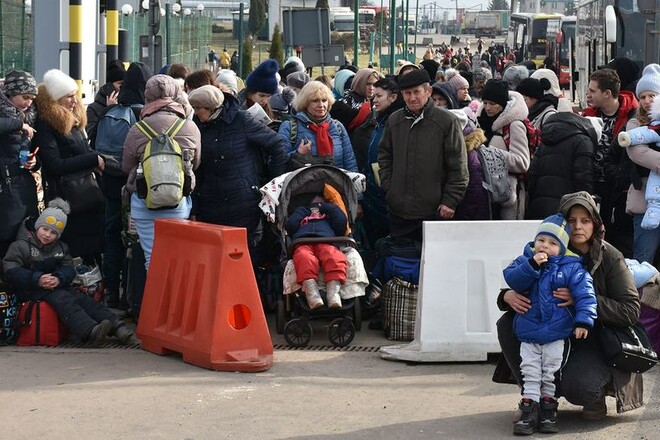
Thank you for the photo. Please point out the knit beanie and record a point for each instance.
(291, 65)
(207, 96)
(263, 79)
(482, 74)
(228, 79)
(54, 217)
(472, 121)
(650, 81)
(548, 74)
(496, 91)
(457, 81)
(18, 82)
(531, 87)
(558, 228)
(115, 71)
(297, 79)
(514, 75)
(59, 84)
(340, 82)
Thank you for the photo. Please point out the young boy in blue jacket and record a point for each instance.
(545, 266)
(38, 265)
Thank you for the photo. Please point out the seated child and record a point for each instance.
(648, 135)
(40, 267)
(320, 219)
(545, 266)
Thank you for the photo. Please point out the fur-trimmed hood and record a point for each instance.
(58, 117)
(515, 110)
(475, 139)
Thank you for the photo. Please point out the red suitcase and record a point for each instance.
(39, 325)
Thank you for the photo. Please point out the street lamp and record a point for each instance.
(127, 9)
(187, 12)
(145, 5)
(200, 8)
(176, 8)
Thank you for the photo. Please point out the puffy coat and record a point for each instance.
(342, 150)
(234, 147)
(22, 188)
(563, 164)
(332, 225)
(475, 204)
(160, 112)
(423, 162)
(546, 322)
(63, 149)
(27, 260)
(517, 153)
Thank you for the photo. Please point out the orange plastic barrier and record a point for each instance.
(201, 299)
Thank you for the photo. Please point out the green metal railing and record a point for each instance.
(189, 38)
(15, 36)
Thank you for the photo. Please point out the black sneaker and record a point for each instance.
(99, 333)
(548, 419)
(529, 418)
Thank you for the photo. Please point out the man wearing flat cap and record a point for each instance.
(422, 160)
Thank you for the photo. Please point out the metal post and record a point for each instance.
(392, 34)
(356, 32)
(2, 43)
(111, 31)
(382, 29)
(406, 30)
(322, 54)
(168, 45)
(416, 25)
(75, 42)
(22, 54)
(240, 39)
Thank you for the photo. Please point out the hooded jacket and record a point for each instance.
(423, 162)
(96, 109)
(161, 110)
(545, 321)
(27, 260)
(564, 163)
(63, 150)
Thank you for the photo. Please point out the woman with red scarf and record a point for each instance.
(312, 132)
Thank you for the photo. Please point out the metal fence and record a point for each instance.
(15, 36)
(189, 37)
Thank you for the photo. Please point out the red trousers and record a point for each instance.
(307, 258)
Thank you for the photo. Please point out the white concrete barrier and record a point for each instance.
(461, 276)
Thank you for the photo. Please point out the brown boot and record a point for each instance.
(311, 289)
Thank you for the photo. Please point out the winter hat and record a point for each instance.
(548, 74)
(207, 96)
(431, 67)
(531, 87)
(650, 81)
(471, 122)
(627, 70)
(228, 79)
(297, 79)
(291, 65)
(135, 82)
(558, 228)
(496, 91)
(18, 82)
(59, 84)
(406, 65)
(514, 75)
(54, 217)
(482, 74)
(597, 123)
(263, 79)
(115, 71)
(414, 79)
(457, 81)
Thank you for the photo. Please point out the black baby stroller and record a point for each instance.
(293, 314)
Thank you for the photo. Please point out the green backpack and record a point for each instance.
(164, 175)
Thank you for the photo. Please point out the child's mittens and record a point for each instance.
(624, 139)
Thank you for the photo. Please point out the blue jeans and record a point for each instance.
(646, 241)
(113, 255)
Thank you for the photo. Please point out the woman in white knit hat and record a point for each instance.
(645, 241)
(64, 151)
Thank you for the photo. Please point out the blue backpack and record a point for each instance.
(111, 133)
(397, 257)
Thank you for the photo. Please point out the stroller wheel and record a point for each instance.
(341, 332)
(280, 318)
(297, 332)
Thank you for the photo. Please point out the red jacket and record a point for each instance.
(627, 104)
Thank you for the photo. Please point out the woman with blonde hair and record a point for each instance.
(312, 133)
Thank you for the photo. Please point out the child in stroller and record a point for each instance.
(319, 219)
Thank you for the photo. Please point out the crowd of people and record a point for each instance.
(415, 135)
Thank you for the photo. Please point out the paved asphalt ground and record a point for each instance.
(127, 393)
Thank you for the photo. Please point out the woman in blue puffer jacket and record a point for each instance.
(313, 132)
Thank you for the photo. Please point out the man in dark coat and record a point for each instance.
(106, 96)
